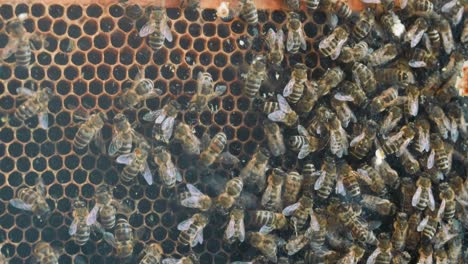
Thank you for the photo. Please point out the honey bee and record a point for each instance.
(312, 4)
(362, 143)
(133, 11)
(123, 239)
(351, 92)
(458, 124)
(292, 186)
(410, 164)
(447, 196)
(266, 244)
(269, 221)
(432, 37)
(45, 253)
(422, 142)
(142, 89)
(421, 58)
(79, 228)
(416, 31)
(123, 136)
(32, 199)
(364, 24)
(295, 87)
(325, 182)
(318, 122)
(321, 256)
(407, 190)
(330, 79)
(163, 120)
(396, 142)
(157, 29)
(439, 118)
(192, 230)
(304, 143)
(454, 11)
(296, 35)
(274, 138)
(271, 198)
(136, 163)
(249, 12)
(400, 231)
(167, 170)
(344, 113)
(298, 242)
(401, 257)
(343, 10)
(413, 236)
(440, 155)
(429, 225)
(19, 42)
(275, 43)
(255, 76)
(347, 180)
(309, 98)
(421, 7)
(382, 254)
(254, 172)
(190, 142)
(151, 254)
(392, 23)
(359, 228)
(379, 205)
(331, 45)
(372, 178)
(423, 196)
(396, 76)
(353, 256)
(364, 77)
(194, 198)
(464, 34)
(383, 55)
(300, 213)
(310, 176)
(232, 191)
(235, 229)
(338, 138)
(105, 207)
(36, 104)
(190, 259)
(205, 92)
(440, 256)
(425, 253)
(446, 35)
(411, 106)
(213, 150)
(285, 114)
(89, 130)
(318, 232)
(357, 53)
(389, 175)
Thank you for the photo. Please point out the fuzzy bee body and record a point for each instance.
(214, 149)
(45, 254)
(124, 239)
(249, 12)
(255, 77)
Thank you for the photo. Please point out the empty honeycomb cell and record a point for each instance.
(6, 195)
(37, 73)
(55, 219)
(63, 87)
(250, 119)
(235, 118)
(258, 134)
(90, 27)
(74, 12)
(136, 220)
(87, 191)
(6, 11)
(23, 134)
(104, 101)
(96, 87)
(191, 14)
(63, 119)
(88, 72)
(54, 73)
(94, 11)
(173, 13)
(15, 179)
(176, 56)
(206, 258)
(13, 85)
(250, 147)
(21, 73)
(175, 87)
(120, 192)
(15, 149)
(126, 56)
(117, 39)
(116, 10)
(39, 135)
(167, 71)
(168, 246)
(185, 42)
(159, 233)
(44, 24)
(59, 27)
(61, 59)
(136, 192)
(319, 17)
(310, 29)
(143, 56)
(15, 235)
(55, 133)
(31, 235)
(228, 45)
(5, 73)
(63, 176)
(220, 118)
(56, 11)
(78, 58)
(48, 234)
(205, 118)
(180, 27)
(23, 164)
(72, 191)
(183, 72)
(37, 10)
(237, 27)
(32, 150)
(243, 134)
(209, 29)
(84, 43)
(88, 249)
(48, 177)
(71, 248)
(55, 162)
(134, 40)
(125, 24)
(214, 73)
(101, 41)
(70, 73)
(214, 44)
(237, 58)
(152, 192)
(47, 149)
(243, 103)
(229, 73)
(194, 30)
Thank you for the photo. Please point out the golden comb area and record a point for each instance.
(93, 53)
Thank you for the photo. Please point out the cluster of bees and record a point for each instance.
(379, 155)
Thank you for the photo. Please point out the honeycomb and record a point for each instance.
(94, 52)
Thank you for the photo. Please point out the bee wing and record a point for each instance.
(44, 119)
(454, 131)
(171, 261)
(448, 6)
(289, 210)
(338, 49)
(17, 203)
(441, 210)
(446, 122)
(416, 37)
(230, 229)
(302, 131)
(184, 225)
(414, 106)
(10, 48)
(228, 158)
(288, 89)
(167, 128)
(416, 196)
(417, 64)
(73, 227)
(198, 238)
(25, 91)
(340, 189)
(191, 202)
(92, 216)
(166, 30)
(343, 97)
(422, 224)
(220, 90)
(109, 238)
(459, 16)
(430, 160)
(147, 29)
(283, 104)
(205, 141)
(152, 115)
(241, 230)
(431, 199)
(270, 38)
(302, 39)
(194, 190)
(373, 257)
(318, 184)
(357, 139)
(371, 1)
(147, 173)
(280, 39)
(266, 229)
(115, 144)
(304, 151)
(314, 223)
(290, 40)
(125, 158)
(99, 141)
(277, 116)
